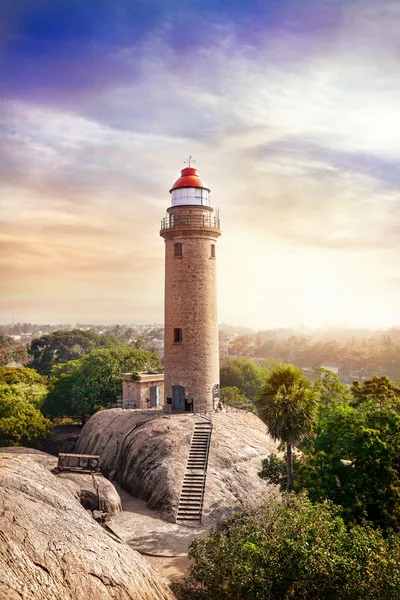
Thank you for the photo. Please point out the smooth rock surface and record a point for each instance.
(52, 549)
(148, 456)
(94, 492)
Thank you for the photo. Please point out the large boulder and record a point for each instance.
(147, 456)
(94, 492)
(52, 549)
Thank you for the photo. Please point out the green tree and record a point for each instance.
(79, 388)
(273, 469)
(11, 350)
(330, 389)
(376, 392)
(21, 424)
(26, 383)
(355, 462)
(287, 404)
(244, 374)
(15, 375)
(293, 550)
(231, 396)
(33, 393)
(63, 346)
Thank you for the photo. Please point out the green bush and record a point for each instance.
(21, 424)
(293, 550)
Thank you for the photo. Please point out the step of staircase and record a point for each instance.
(190, 505)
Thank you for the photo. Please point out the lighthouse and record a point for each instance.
(191, 355)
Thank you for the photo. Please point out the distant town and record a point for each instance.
(349, 353)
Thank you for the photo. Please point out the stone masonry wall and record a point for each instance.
(140, 391)
(191, 304)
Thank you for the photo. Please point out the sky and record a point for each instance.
(291, 109)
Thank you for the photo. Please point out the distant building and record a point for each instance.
(329, 366)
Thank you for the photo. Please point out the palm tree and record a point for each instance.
(287, 405)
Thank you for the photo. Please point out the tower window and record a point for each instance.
(178, 249)
(177, 336)
(212, 250)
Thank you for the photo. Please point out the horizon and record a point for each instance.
(291, 110)
(248, 330)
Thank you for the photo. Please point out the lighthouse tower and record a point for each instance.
(191, 356)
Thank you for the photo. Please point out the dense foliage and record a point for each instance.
(353, 456)
(293, 550)
(11, 351)
(244, 374)
(376, 392)
(25, 383)
(287, 403)
(16, 375)
(377, 354)
(231, 396)
(21, 394)
(81, 387)
(62, 346)
(355, 461)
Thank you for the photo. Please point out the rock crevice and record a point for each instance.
(52, 549)
(148, 456)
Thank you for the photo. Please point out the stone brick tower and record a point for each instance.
(191, 355)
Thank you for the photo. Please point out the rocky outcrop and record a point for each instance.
(148, 456)
(52, 549)
(94, 492)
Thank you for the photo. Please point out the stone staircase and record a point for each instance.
(190, 505)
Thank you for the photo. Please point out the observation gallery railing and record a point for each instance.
(209, 221)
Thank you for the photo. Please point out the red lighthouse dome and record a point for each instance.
(189, 178)
(190, 189)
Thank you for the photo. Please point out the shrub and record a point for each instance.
(293, 549)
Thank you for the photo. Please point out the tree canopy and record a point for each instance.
(352, 457)
(26, 383)
(14, 375)
(62, 346)
(287, 404)
(293, 550)
(330, 390)
(81, 387)
(244, 374)
(11, 350)
(357, 354)
(231, 396)
(376, 392)
(355, 462)
(21, 423)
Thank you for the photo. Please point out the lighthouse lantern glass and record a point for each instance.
(188, 195)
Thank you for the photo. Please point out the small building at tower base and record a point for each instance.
(142, 390)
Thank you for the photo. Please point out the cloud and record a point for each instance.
(293, 122)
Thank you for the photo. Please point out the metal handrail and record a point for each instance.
(205, 473)
(190, 221)
(203, 480)
(148, 410)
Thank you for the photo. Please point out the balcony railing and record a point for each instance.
(190, 221)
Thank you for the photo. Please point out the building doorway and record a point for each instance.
(178, 398)
(154, 396)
